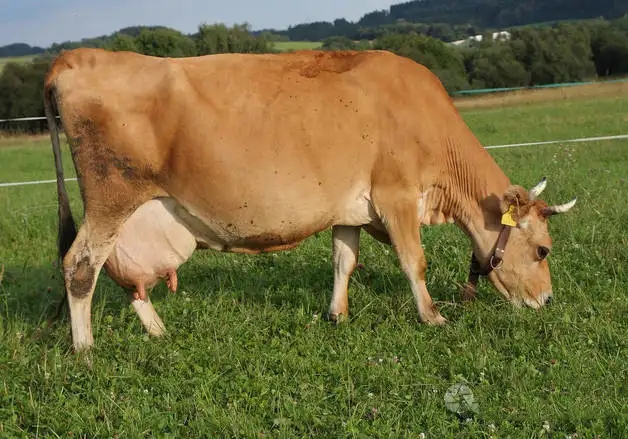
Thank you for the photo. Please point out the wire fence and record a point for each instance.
(24, 125)
(476, 91)
(24, 119)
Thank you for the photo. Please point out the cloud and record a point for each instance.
(42, 22)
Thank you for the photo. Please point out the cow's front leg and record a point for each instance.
(400, 216)
(346, 242)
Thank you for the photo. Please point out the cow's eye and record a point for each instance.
(542, 252)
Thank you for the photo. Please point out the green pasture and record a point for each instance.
(249, 353)
(18, 59)
(285, 46)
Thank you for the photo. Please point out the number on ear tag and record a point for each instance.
(507, 218)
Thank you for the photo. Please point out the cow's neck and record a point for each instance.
(477, 184)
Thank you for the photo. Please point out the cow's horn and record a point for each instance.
(560, 208)
(538, 188)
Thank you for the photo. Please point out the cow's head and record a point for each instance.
(523, 274)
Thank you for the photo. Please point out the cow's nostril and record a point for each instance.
(548, 301)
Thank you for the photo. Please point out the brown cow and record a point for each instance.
(260, 151)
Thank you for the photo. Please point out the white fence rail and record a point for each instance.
(549, 142)
(24, 119)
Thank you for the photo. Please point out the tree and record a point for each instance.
(553, 55)
(495, 66)
(19, 49)
(339, 43)
(316, 31)
(442, 31)
(164, 42)
(610, 50)
(503, 13)
(376, 18)
(122, 42)
(445, 61)
(219, 38)
(21, 89)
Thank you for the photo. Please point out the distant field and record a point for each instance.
(297, 45)
(535, 96)
(248, 354)
(3, 61)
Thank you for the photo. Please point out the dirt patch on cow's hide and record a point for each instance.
(330, 62)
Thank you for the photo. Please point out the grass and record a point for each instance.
(550, 120)
(247, 354)
(285, 46)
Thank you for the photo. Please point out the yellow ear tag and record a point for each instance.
(507, 218)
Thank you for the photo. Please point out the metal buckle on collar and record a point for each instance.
(491, 262)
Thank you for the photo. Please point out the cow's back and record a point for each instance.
(262, 149)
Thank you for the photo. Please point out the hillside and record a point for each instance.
(19, 49)
(448, 18)
(503, 13)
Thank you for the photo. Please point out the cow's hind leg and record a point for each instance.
(89, 251)
(114, 180)
(82, 265)
(400, 216)
(346, 240)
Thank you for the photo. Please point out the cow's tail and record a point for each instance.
(67, 228)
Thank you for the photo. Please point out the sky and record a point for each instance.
(43, 22)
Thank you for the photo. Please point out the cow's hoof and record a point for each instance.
(468, 292)
(84, 355)
(156, 330)
(337, 318)
(435, 319)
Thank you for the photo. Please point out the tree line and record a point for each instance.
(19, 49)
(503, 13)
(450, 20)
(532, 55)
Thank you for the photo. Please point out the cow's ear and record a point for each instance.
(514, 205)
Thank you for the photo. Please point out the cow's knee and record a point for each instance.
(80, 277)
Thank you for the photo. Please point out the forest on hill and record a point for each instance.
(447, 20)
(505, 13)
(456, 19)
(19, 49)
